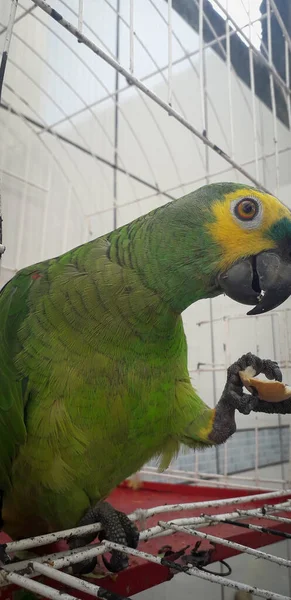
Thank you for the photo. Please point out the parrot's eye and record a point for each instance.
(246, 210)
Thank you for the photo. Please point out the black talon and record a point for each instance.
(272, 370)
(116, 527)
(233, 392)
(4, 558)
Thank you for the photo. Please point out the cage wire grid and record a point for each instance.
(274, 509)
(49, 565)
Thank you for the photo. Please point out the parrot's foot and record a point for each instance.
(116, 527)
(4, 558)
(233, 397)
(233, 393)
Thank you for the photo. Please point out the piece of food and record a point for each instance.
(270, 391)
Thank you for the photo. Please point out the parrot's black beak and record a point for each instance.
(263, 280)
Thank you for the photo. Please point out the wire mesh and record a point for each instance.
(57, 127)
(272, 507)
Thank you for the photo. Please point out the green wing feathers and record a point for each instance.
(13, 388)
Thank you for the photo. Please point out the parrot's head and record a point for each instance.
(222, 238)
(250, 232)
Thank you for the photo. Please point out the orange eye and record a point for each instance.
(246, 209)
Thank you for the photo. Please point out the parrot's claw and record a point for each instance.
(116, 527)
(233, 391)
(4, 558)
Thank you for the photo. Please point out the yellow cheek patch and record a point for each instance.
(237, 241)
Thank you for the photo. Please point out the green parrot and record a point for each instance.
(93, 364)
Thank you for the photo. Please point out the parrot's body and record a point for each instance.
(93, 365)
(101, 365)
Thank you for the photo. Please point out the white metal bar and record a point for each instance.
(287, 75)
(66, 579)
(74, 127)
(67, 558)
(221, 519)
(196, 461)
(269, 66)
(45, 213)
(87, 552)
(244, 316)
(20, 178)
(23, 206)
(195, 70)
(197, 572)
(227, 338)
(6, 46)
(3, 156)
(179, 473)
(159, 70)
(226, 364)
(257, 477)
(135, 81)
(254, 111)
(112, 96)
(225, 467)
(7, 41)
(63, 145)
(259, 515)
(6, 268)
(229, 69)
(204, 110)
(66, 220)
(228, 543)
(223, 50)
(202, 65)
(170, 53)
(222, 368)
(24, 14)
(184, 473)
(195, 182)
(281, 23)
(51, 538)
(80, 15)
(212, 479)
(214, 503)
(37, 587)
(61, 169)
(202, 521)
(253, 96)
(131, 36)
(273, 99)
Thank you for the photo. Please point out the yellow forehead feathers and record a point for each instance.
(232, 235)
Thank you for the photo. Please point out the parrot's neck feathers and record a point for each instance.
(169, 255)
